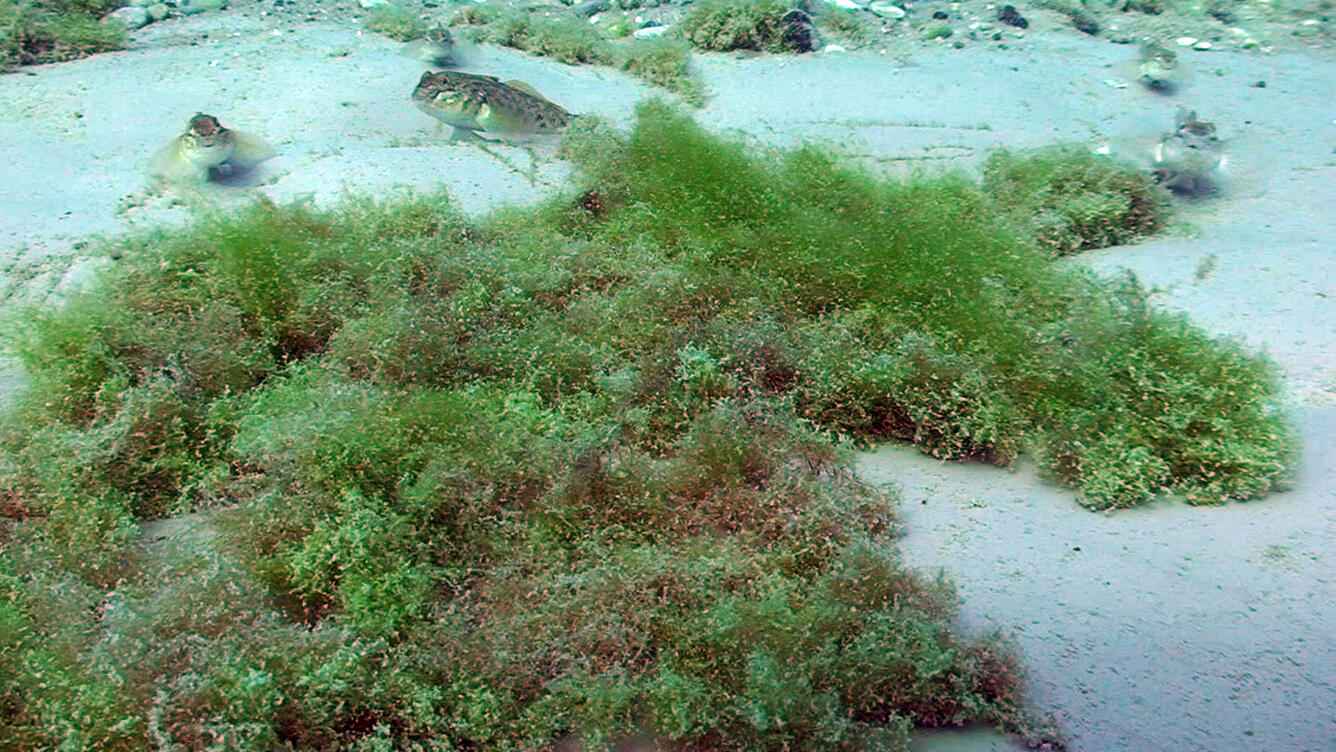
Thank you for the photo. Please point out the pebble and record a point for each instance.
(846, 4)
(158, 11)
(1202, 46)
(832, 48)
(133, 17)
(649, 32)
(1186, 41)
(887, 10)
(373, 3)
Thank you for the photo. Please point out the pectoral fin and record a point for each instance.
(250, 150)
(170, 164)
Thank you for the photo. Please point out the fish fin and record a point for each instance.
(170, 166)
(422, 49)
(251, 150)
(527, 89)
(464, 134)
(415, 50)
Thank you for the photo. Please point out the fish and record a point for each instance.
(437, 47)
(471, 103)
(1189, 160)
(206, 151)
(1159, 70)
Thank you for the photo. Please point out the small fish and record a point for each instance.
(472, 103)
(437, 47)
(207, 150)
(1158, 69)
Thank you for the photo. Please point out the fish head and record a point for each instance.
(439, 95)
(436, 47)
(439, 35)
(206, 141)
(205, 130)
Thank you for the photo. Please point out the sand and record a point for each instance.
(1165, 627)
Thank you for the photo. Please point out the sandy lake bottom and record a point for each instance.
(1163, 628)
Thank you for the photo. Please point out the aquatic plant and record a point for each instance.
(847, 24)
(395, 22)
(1070, 199)
(560, 37)
(723, 25)
(1077, 11)
(49, 31)
(664, 61)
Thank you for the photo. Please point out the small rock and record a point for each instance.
(1251, 44)
(832, 48)
(191, 7)
(1259, 84)
(649, 32)
(628, 4)
(940, 15)
(937, 30)
(886, 10)
(589, 7)
(131, 16)
(1203, 46)
(1186, 41)
(369, 4)
(158, 11)
(846, 4)
(1010, 16)
(799, 31)
(1085, 23)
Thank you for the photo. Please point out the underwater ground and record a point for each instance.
(1166, 626)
